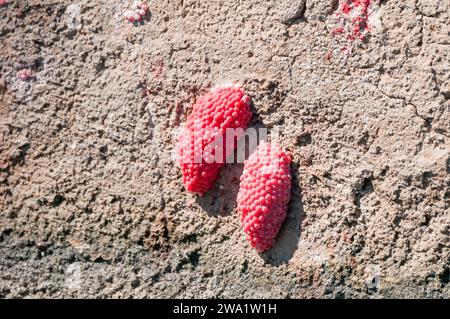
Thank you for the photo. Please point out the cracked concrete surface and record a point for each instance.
(92, 203)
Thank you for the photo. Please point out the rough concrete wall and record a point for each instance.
(91, 201)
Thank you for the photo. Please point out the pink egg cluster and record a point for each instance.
(351, 24)
(353, 19)
(3, 2)
(138, 11)
(224, 107)
(264, 194)
(24, 74)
